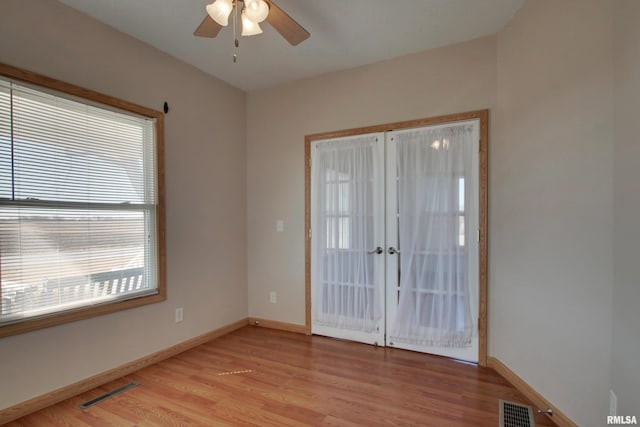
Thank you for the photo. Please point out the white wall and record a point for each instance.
(626, 300)
(441, 81)
(205, 189)
(551, 210)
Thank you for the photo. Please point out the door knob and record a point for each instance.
(377, 250)
(392, 250)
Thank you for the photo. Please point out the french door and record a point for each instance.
(394, 247)
(347, 268)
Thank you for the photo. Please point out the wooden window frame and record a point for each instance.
(483, 117)
(80, 313)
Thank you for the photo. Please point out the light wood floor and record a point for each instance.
(262, 377)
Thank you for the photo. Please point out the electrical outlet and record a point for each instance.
(273, 297)
(280, 226)
(613, 403)
(179, 314)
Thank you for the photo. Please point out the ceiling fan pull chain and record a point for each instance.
(235, 51)
(236, 43)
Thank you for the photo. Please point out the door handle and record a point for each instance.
(377, 250)
(392, 250)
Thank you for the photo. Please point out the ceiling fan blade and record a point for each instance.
(288, 28)
(208, 28)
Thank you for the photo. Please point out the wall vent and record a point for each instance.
(516, 415)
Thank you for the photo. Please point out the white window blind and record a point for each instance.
(77, 203)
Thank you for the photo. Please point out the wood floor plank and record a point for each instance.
(261, 377)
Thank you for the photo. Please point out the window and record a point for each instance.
(81, 214)
(338, 206)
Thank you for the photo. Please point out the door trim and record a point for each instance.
(483, 117)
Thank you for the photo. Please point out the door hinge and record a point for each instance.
(478, 235)
(309, 234)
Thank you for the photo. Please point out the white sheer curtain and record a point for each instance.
(434, 185)
(345, 175)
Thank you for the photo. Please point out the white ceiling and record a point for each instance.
(344, 33)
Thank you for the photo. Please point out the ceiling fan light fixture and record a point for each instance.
(256, 10)
(249, 27)
(220, 10)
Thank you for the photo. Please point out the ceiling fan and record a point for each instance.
(253, 12)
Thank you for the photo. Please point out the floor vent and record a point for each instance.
(516, 415)
(105, 396)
